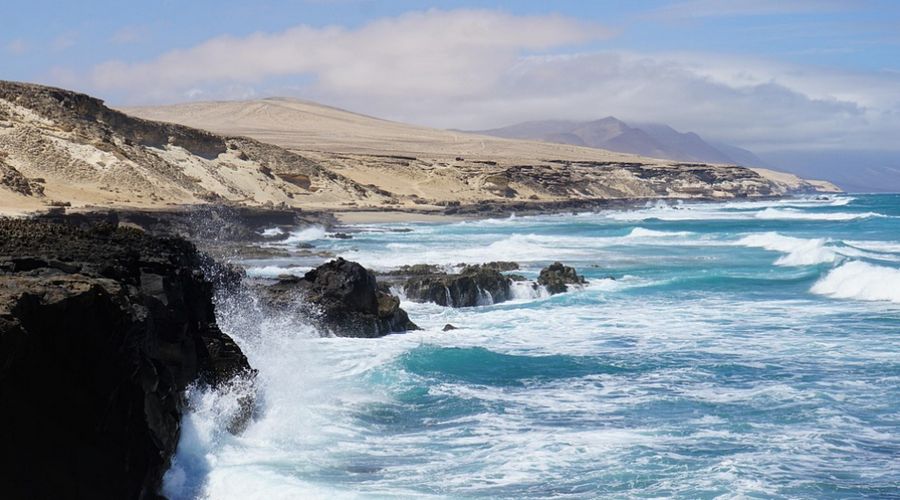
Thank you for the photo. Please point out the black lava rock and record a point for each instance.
(557, 277)
(344, 297)
(473, 286)
(101, 330)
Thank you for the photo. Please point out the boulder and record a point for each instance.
(101, 331)
(557, 277)
(344, 297)
(474, 285)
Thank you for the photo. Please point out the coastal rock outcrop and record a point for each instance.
(344, 297)
(473, 285)
(102, 329)
(557, 277)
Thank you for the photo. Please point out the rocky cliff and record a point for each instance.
(59, 147)
(101, 330)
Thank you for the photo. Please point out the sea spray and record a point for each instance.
(307, 234)
(703, 369)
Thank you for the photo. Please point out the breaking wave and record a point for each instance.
(792, 214)
(311, 233)
(798, 251)
(860, 281)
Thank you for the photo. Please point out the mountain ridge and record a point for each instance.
(653, 140)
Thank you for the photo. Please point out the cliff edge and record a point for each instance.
(101, 331)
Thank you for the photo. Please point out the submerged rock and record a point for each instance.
(345, 297)
(449, 327)
(101, 331)
(557, 277)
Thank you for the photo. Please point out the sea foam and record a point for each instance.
(861, 281)
(306, 234)
(640, 232)
(792, 214)
(798, 251)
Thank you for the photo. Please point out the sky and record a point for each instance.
(768, 75)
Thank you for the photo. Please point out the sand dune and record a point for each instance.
(302, 125)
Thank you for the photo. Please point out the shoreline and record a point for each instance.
(335, 218)
(502, 209)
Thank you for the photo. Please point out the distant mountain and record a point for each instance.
(741, 156)
(858, 171)
(648, 139)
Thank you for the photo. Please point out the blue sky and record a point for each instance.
(788, 74)
(853, 34)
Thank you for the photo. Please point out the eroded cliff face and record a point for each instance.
(101, 330)
(80, 152)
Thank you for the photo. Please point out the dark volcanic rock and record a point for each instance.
(101, 331)
(207, 225)
(414, 270)
(499, 265)
(557, 277)
(473, 286)
(346, 298)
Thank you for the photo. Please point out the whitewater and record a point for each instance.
(747, 349)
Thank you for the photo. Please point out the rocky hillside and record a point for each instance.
(421, 164)
(59, 147)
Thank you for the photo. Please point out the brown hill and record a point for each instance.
(62, 147)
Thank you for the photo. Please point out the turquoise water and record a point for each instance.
(746, 349)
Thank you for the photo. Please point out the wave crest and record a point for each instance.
(860, 281)
(792, 214)
(798, 251)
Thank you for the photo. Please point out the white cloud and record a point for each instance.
(452, 53)
(751, 110)
(481, 69)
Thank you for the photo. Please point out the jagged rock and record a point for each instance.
(12, 179)
(557, 277)
(414, 270)
(499, 265)
(101, 331)
(226, 232)
(345, 297)
(474, 285)
(448, 327)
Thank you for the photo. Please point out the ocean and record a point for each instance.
(743, 349)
